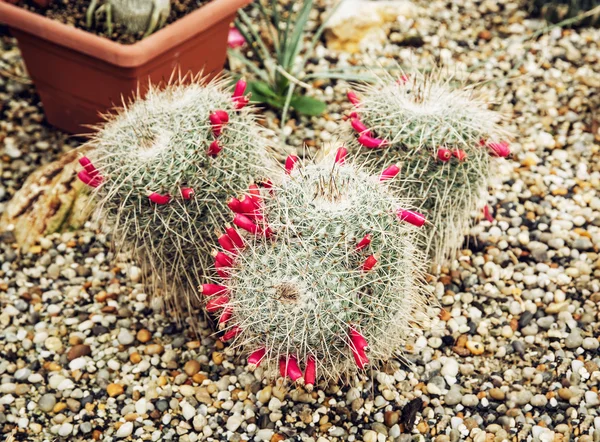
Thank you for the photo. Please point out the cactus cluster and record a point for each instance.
(162, 169)
(442, 136)
(136, 15)
(323, 274)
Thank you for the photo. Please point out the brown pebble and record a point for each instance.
(77, 351)
(475, 347)
(144, 336)
(114, 390)
(199, 378)
(191, 367)
(130, 417)
(485, 35)
(97, 434)
(278, 437)
(565, 394)
(75, 340)
(422, 427)
(461, 351)
(135, 358)
(217, 357)
(497, 394)
(59, 407)
(391, 418)
(154, 349)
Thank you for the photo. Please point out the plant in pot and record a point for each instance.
(80, 74)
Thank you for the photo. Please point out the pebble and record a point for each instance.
(66, 429)
(47, 402)
(125, 430)
(574, 339)
(125, 337)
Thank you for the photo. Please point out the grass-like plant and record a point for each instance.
(443, 135)
(162, 169)
(324, 271)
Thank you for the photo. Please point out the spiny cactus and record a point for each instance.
(136, 15)
(162, 169)
(324, 273)
(443, 138)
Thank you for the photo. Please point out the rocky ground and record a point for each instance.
(85, 355)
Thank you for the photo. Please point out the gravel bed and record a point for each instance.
(514, 354)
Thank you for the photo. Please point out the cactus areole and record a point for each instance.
(327, 278)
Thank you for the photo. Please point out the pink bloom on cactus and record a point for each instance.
(157, 198)
(360, 358)
(187, 193)
(460, 154)
(217, 303)
(254, 192)
(390, 172)
(256, 357)
(267, 184)
(282, 366)
(217, 123)
(223, 259)
(237, 240)
(353, 98)
(243, 222)
(235, 39)
(88, 166)
(235, 205)
(290, 163)
(501, 149)
(403, 79)
(89, 180)
(370, 142)
(340, 155)
(369, 263)
(241, 102)
(240, 88)
(222, 270)
(225, 315)
(310, 373)
(227, 244)
(412, 217)
(487, 213)
(223, 116)
(354, 114)
(359, 127)
(444, 155)
(214, 148)
(212, 289)
(364, 242)
(358, 340)
(291, 368)
(231, 333)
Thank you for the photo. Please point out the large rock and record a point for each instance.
(362, 23)
(51, 200)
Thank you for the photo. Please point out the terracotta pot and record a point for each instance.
(79, 75)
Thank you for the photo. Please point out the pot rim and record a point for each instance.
(133, 55)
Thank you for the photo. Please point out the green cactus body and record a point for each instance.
(162, 169)
(442, 137)
(329, 257)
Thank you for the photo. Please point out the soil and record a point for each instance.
(73, 13)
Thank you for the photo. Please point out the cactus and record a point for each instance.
(323, 272)
(162, 169)
(442, 136)
(136, 15)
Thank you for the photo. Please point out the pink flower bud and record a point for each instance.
(245, 223)
(370, 142)
(89, 180)
(250, 208)
(216, 123)
(412, 217)
(235, 205)
(236, 239)
(88, 166)
(157, 198)
(212, 289)
(267, 184)
(340, 155)
(359, 127)
(369, 263)
(222, 270)
(402, 80)
(231, 333)
(225, 315)
(282, 366)
(226, 242)
(254, 192)
(358, 352)
(390, 172)
(487, 214)
(223, 116)
(290, 163)
(290, 368)
(256, 357)
(241, 102)
(358, 340)
(223, 259)
(353, 98)
(501, 149)
(217, 303)
(354, 114)
(364, 242)
(214, 148)
(240, 88)
(187, 193)
(459, 154)
(310, 373)
(444, 155)
(235, 39)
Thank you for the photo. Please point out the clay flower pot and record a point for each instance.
(79, 75)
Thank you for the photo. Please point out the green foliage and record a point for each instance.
(417, 118)
(297, 292)
(160, 145)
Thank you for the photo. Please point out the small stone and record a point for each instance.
(574, 339)
(264, 395)
(114, 390)
(77, 351)
(370, 436)
(53, 344)
(233, 422)
(187, 410)
(144, 336)
(66, 429)
(497, 394)
(454, 396)
(47, 402)
(450, 368)
(154, 349)
(125, 430)
(125, 337)
(391, 418)
(191, 367)
(475, 347)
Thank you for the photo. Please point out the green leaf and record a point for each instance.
(308, 105)
(261, 88)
